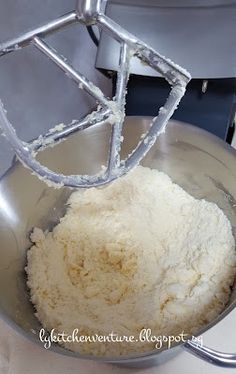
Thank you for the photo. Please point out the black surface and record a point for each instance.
(212, 111)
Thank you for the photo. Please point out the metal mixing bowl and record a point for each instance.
(198, 161)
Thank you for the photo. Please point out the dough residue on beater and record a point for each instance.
(137, 253)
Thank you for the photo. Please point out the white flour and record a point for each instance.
(139, 253)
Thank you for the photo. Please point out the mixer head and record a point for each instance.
(111, 111)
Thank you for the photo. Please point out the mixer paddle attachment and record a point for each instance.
(111, 111)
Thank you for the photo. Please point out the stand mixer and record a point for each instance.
(109, 112)
(90, 12)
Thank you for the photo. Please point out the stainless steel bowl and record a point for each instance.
(198, 161)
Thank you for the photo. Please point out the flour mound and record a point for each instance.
(138, 253)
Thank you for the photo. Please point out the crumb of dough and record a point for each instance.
(137, 253)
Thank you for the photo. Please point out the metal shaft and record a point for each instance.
(88, 11)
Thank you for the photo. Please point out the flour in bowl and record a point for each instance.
(138, 253)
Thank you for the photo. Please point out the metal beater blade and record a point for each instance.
(109, 110)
